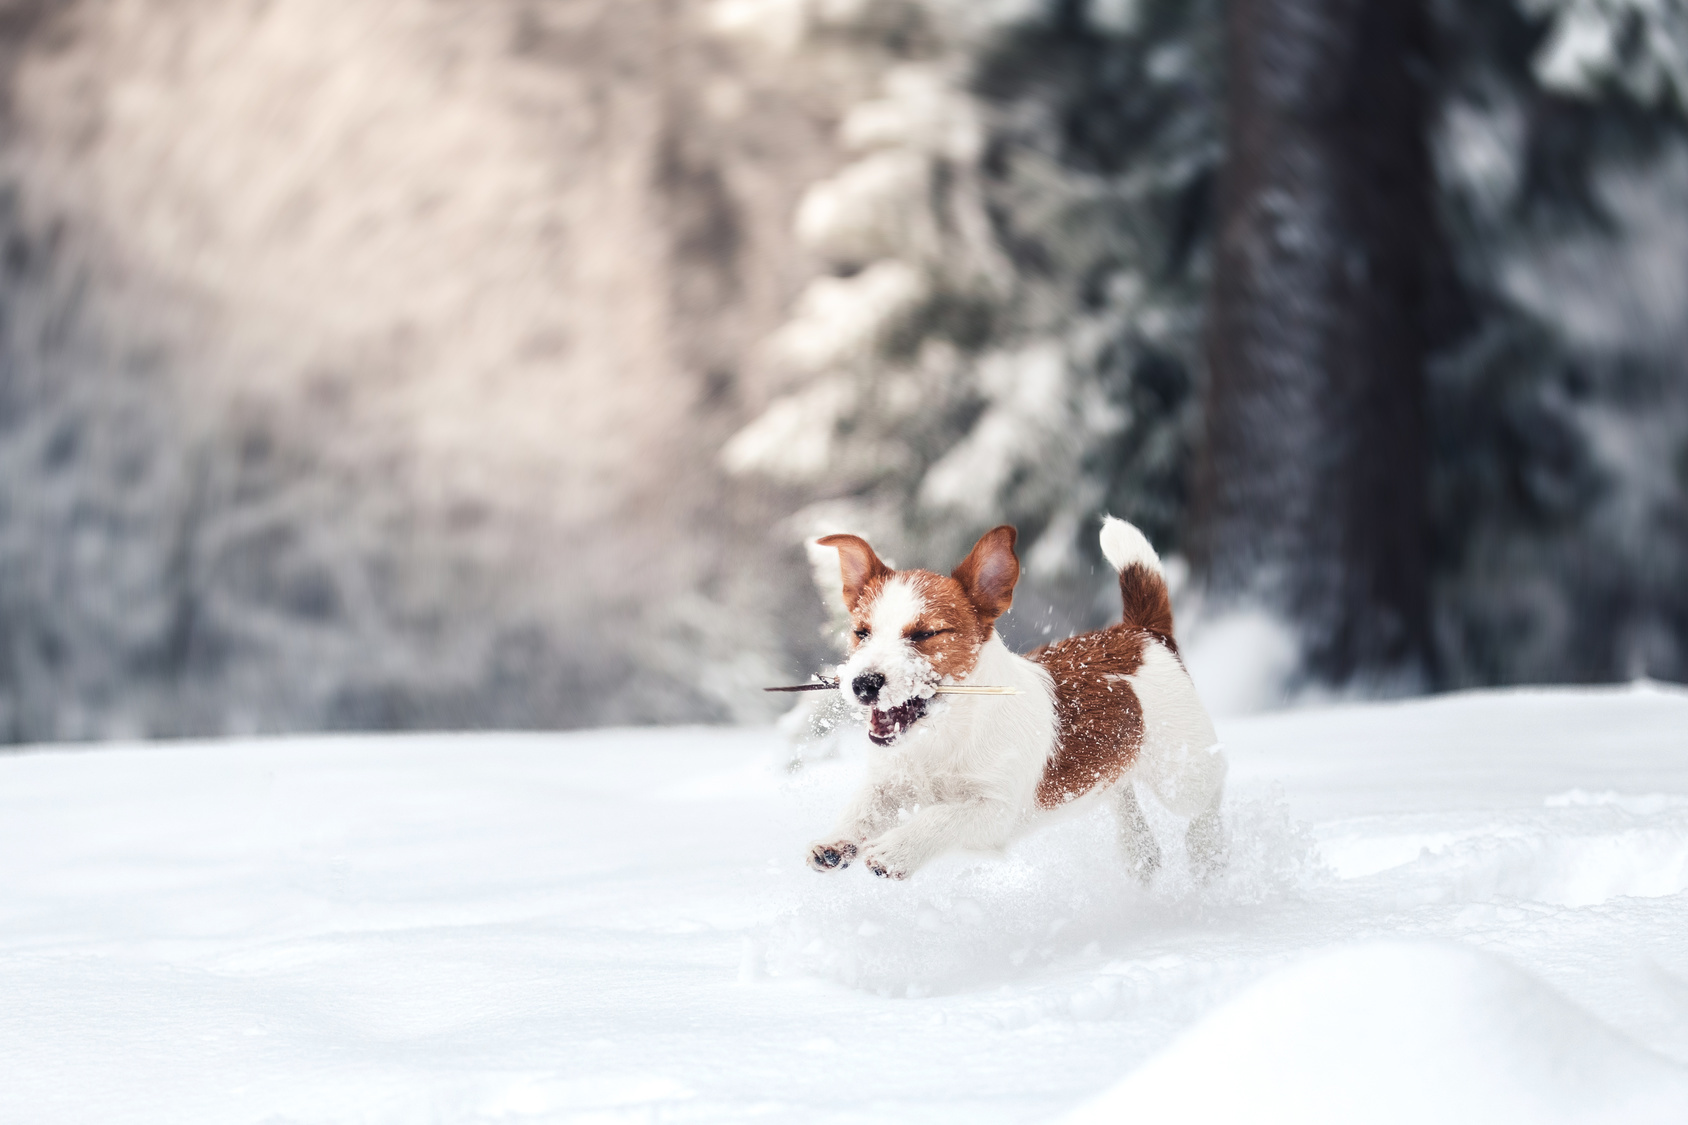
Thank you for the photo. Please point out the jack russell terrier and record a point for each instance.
(1092, 713)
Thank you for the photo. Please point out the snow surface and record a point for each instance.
(1399, 1033)
(1473, 907)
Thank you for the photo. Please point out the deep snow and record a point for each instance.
(1470, 907)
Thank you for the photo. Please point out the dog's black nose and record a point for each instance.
(867, 685)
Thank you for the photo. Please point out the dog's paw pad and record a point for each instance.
(825, 857)
(882, 869)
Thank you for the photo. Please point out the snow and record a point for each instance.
(1307, 1046)
(1639, 45)
(1488, 889)
(864, 213)
(1244, 657)
(838, 318)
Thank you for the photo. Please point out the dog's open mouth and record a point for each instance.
(885, 727)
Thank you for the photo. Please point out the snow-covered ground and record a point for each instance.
(1466, 908)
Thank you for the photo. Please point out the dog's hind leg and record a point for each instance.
(1206, 841)
(1137, 840)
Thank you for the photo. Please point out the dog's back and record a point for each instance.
(1123, 698)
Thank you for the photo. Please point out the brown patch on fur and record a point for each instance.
(1099, 721)
(949, 616)
(959, 633)
(1147, 605)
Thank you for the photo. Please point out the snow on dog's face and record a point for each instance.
(913, 629)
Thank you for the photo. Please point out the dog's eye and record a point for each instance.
(861, 634)
(927, 634)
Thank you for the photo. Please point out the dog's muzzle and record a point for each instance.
(885, 727)
(867, 685)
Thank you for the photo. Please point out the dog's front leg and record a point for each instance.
(979, 824)
(869, 812)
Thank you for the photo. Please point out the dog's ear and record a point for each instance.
(989, 573)
(858, 564)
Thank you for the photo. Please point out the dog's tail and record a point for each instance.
(1142, 585)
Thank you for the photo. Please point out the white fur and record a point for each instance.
(966, 775)
(887, 652)
(1125, 546)
(897, 607)
(1180, 759)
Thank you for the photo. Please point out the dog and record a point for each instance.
(1093, 714)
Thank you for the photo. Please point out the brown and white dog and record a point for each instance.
(1094, 713)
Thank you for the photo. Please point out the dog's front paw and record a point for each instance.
(826, 856)
(884, 866)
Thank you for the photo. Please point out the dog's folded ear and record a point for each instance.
(989, 573)
(857, 562)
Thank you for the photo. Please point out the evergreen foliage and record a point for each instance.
(1037, 278)
(1040, 362)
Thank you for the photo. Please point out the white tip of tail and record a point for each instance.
(1125, 546)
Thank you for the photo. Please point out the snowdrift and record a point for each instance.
(1399, 1033)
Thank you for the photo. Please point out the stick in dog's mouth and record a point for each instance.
(885, 727)
(941, 689)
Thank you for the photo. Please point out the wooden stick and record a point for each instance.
(941, 689)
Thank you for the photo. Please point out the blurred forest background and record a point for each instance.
(448, 363)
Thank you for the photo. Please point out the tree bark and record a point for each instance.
(1311, 489)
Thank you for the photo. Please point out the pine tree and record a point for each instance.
(1560, 417)
(1011, 325)
(1494, 420)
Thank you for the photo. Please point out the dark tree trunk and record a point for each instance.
(1311, 489)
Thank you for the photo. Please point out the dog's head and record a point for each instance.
(912, 629)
